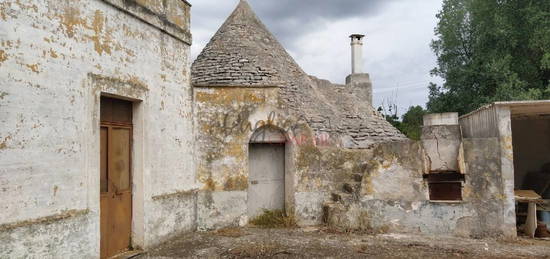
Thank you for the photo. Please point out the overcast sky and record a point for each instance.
(315, 32)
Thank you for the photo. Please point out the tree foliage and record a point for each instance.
(490, 50)
(410, 123)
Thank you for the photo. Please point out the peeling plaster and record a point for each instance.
(3, 56)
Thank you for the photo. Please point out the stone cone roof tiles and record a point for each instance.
(243, 53)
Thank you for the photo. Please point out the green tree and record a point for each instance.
(490, 50)
(412, 121)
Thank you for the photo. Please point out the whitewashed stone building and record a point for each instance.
(60, 62)
(110, 141)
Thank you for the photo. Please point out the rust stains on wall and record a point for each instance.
(101, 41)
(3, 56)
(3, 143)
(33, 68)
(70, 19)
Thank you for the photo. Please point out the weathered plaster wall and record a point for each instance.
(494, 121)
(57, 58)
(226, 118)
(442, 146)
(393, 196)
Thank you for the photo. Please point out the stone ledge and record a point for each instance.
(175, 194)
(48, 219)
(173, 19)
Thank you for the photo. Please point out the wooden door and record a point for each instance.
(115, 176)
(266, 186)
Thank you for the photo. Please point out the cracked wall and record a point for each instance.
(393, 195)
(226, 118)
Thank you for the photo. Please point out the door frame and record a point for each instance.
(289, 179)
(110, 126)
(137, 163)
(283, 145)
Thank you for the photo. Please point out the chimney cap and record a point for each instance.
(358, 36)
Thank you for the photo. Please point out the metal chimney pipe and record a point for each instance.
(357, 53)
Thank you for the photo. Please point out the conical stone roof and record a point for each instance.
(240, 53)
(243, 53)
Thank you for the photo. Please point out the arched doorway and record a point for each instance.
(266, 180)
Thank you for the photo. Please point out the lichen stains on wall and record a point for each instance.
(70, 19)
(320, 168)
(395, 172)
(224, 127)
(101, 41)
(4, 142)
(394, 196)
(33, 67)
(3, 56)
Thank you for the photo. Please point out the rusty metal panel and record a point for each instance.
(119, 166)
(120, 222)
(115, 176)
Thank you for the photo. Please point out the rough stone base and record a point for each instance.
(63, 238)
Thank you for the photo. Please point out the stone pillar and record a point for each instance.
(361, 86)
(358, 81)
(356, 53)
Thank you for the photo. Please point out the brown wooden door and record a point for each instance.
(115, 178)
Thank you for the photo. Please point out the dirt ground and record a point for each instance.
(323, 243)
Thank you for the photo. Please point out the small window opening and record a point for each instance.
(445, 186)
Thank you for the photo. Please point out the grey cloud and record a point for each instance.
(397, 53)
(289, 18)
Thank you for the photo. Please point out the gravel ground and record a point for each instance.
(324, 243)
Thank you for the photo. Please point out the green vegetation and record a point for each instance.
(274, 219)
(490, 50)
(487, 51)
(410, 123)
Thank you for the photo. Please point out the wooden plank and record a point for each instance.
(527, 196)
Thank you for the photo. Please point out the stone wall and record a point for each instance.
(56, 59)
(494, 121)
(393, 196)
(226, 118)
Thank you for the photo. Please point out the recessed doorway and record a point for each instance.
(115, 176)
(266, 181)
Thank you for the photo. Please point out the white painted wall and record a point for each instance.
(56, 59)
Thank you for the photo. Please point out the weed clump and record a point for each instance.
(274, 219)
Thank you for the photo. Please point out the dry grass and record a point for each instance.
(230, 232)
(256, 250)
(274, 219)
